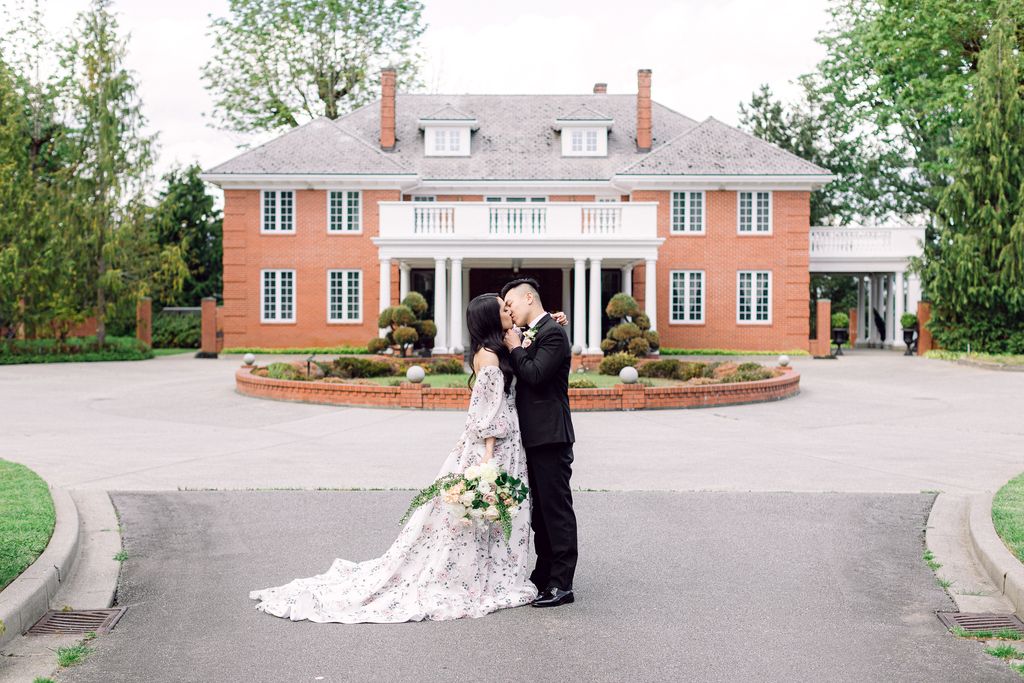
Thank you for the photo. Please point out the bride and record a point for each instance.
(438, 568)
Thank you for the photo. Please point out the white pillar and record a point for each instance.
(872, 299)
(913, 292)
(860, 310)
(384, 288)
(627, 279)
(890, 304)
(651, 292)
(566, 298)
(440, 306)
(579, 312)
(403, 280)
(457, 309)
(465, 305)
(594, 317)
(898, 311)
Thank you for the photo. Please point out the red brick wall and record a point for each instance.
(311, 252)
(720, 252)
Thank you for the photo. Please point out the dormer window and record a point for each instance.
(447, 133)
(584, 133)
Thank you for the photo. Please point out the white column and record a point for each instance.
(385, 288)
(651, 292)
(913, 292)
(457, 309)
(440, 306)
(579, 312)
(594, 317)
(627, 279)
(872, 298)
(465, 305)
(898, 311)
(566, 296)
(860, 310)
(890, 304)
(403, 280)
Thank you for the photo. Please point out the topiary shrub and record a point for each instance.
(611, 365)
(840, 320)
(624, 332)
(405, 337)
(415, 302)
(638, 346)
(621, 306)
(632, 334)
(577, 382)
(609, 345)
(653, 339)
(351, 367)
(406, 316)
(377, 344)
(642, 321)
(446, 366)
(669, 368)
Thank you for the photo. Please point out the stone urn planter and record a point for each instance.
(909, 323)
(840, 331)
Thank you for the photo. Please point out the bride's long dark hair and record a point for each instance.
(483, 318)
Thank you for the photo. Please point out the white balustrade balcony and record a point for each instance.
(518, 220)
(851, 249)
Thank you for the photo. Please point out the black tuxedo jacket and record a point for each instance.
(542, 389)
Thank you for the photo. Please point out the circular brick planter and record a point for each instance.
(619, 397)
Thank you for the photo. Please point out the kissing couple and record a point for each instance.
(518, 422)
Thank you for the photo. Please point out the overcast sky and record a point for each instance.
(706, 55)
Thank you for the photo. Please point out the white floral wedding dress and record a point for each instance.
(438, 568)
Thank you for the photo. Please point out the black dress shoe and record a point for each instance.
(553, 597)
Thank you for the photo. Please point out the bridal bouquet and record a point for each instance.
(482, 494)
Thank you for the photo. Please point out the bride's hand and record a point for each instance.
(561, 318)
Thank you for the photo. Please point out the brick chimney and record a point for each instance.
(600, 88)
(387, 109)
(643, 110)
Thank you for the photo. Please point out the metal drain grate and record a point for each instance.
(76, 621)
(973, 622)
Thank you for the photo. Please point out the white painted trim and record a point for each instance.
(754, 232)
(583, 123)
(686, 213)
(601, 146)
(686, 293)
(345, 321)
(803, 183)
(311, 181)
(447, 123)
(430, 141)
(344, 204)
(277, 284)
(753, 297)
(277, 213)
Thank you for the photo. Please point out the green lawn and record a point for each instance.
(173, 352)
(26, 519)
(997, 358)
(1008, 515)
(601, 381)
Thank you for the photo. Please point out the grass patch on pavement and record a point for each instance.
(1008, 515)
(1005, 652)
(26, 519)
(69, 656)
(996, 358)
(172, 352)
(1002, 634)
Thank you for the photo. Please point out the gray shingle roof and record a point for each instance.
(448, 113)
(714, 148)
(585, 113)
(517, 140)
(320, 146)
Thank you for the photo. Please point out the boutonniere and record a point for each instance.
(528, 337)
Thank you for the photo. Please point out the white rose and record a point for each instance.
(472, 472)
(491, 513)
(489, 472)
(476, 513)
(467, 498)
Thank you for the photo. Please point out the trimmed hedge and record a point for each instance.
(79, 349)
(176, 331)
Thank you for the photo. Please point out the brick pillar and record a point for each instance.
(924, 337)
(633, 396)
(853, 327)
(208, 345)
(220, 328)
(144, 320)
(410, 395)
(822, 345)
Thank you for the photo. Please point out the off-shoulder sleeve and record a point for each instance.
(487, 416)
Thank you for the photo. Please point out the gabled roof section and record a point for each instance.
(321, 146)
(584, 113)
(714, 148)
(448, 113)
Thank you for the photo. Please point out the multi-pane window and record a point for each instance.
(344, 296)
(687, 296)
(277, 296)
(454, 140)
(754, 296)
(440, 140)
(755, 212)
(591, 140)
(687, 212)
(278, 211)
(423, 198)
(343, 212)
(576, 140)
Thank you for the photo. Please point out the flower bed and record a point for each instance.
(333, 391)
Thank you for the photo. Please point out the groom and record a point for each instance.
(541, 360)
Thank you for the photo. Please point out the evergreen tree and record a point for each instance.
(973, 272)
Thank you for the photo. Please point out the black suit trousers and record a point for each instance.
(549, 467)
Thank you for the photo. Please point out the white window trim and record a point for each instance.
(431, 149)
(263, 295)
(345, 321)
(703, 303)
(345, 231)
(754, 232)
(602, 141)
(686, 213)
(753, 297)
(277, 214)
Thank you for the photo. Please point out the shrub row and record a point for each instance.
(79, 349)
(176, 331)
(687, 371)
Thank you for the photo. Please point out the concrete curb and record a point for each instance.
(990, 366)
(1005, 570)
(28, 597)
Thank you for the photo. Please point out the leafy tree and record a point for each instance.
(185, 217)
(280, 62)
(974, 272)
